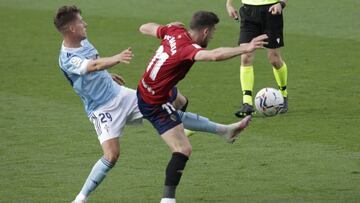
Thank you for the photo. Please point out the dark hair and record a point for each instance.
(203, 19)
(64, 15)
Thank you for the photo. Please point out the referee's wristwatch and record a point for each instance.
(283, 4)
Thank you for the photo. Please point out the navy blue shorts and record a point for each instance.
(162, 116)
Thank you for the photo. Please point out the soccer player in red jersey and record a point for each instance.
(157, 91)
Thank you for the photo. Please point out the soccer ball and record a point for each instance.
(268, 101)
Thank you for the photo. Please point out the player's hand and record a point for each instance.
(180, 24)
(257, 43)
(232, 12)
(125, 56)
(275, 9)
(118, 79)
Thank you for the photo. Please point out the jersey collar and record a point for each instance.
(71, 50)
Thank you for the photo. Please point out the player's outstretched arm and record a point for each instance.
(149, 29)
(118, 79)
(180, 24)
(224, 53)
(107, 62)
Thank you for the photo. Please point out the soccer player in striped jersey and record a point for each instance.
(260, 17)
(109, 106)
(178, 51)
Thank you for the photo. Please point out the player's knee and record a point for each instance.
(247, 59)
(112, 156)
(275, 59)
(187, 150)
(184, 149)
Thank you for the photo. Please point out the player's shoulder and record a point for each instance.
(86, 43)
(175, 29)
(69, 56)
(69, 59)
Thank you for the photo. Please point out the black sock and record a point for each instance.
(174, 171)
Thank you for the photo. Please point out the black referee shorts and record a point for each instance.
(257, 20)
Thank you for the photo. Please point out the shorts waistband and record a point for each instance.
(259, 6)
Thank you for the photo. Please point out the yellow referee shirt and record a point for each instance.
(259, 2)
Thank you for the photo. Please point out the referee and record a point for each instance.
(260, 17)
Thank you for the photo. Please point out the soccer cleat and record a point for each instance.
(80, 198)
(236, 128)
(245, 110)
(79, 201)
(284, 108)
(168, 200)
(189, 133)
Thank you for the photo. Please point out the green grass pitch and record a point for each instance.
(310, 154)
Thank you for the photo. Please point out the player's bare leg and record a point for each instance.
(181, 150)
(181, 102)
(111, 150)
(247, 83)
(99, 171)
(280, 73)
(274, 57)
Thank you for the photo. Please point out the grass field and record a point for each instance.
(310, 154)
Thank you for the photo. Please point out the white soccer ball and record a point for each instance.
(268, 101)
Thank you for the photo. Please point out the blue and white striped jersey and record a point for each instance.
(96, 88)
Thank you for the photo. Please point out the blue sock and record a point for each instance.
(196, 122)
(96, 176)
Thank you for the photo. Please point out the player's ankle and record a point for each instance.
(222, 129)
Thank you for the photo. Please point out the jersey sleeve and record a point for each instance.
(77, 65)
(161, 31)
(189, 52)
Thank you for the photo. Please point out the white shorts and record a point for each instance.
(109, 120)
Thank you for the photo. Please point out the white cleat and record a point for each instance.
(168, 200)
(236, 128)
(79, 201)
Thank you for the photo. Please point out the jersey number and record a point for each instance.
(105, 117)
(159, 59)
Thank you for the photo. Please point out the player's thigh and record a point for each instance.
(108, 124)
(250, 25)
(109, 120)
(176, 140)
(274, 54)
(180, 100)
(163, 117)
(274, 29)
(133, 114)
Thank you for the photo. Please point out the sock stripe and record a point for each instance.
(106, 162)
(282, 88)
(248, 92)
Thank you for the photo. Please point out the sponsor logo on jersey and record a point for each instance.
(76, 61)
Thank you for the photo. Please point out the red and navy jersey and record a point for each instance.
(172, 60)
